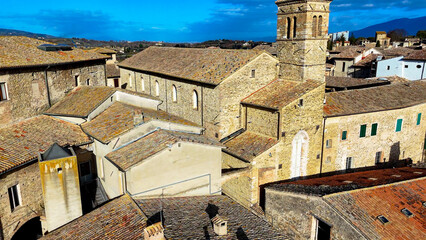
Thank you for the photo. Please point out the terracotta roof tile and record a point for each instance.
(417, 55)
(249, 145)
(21, 142)
(119, 118)
(112, 70)
(349, 52)
(102, 50)
(22, 51)
(396, 52)
(381, 98)
(81, 101)
(120, 218)
(348, 82)
(202, 65)
(280, 93)
(190, 218)
(367, 61)
(151, 144)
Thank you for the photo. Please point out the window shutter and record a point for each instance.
(363, 130)
(419, 118)
(374, 129)
(344, 135)
(398, 125)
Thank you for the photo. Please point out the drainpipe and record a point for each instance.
(423, 70)
(202, 106)
(47, 86)
(322, 145)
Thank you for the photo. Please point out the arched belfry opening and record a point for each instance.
(29, 230)
(299, 154)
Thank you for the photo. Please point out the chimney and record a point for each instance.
(220, 225)
(138, 117)
(154, 232)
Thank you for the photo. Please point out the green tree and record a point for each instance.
(421, 34)
(397, 35)
(378, 44)
(352, 39)
(330, 45)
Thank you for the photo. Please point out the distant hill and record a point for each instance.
(412, 26)
(11, 32)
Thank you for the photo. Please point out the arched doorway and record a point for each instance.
(299, 154)
(30, 230)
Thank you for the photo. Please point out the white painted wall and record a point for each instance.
(409, 69)
(394, 65)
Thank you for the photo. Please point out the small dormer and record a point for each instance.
(220, 225)
(154, 232)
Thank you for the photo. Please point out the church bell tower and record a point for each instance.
(302, 34)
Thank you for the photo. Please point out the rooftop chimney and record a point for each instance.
(154, 232)
(138, 117)
(220, 225)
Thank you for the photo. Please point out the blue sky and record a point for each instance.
(185, 20)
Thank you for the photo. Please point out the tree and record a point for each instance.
(378, 43)
(397, 35)
(329, 45)
(341, 39)
(421, 34)
(352, 39)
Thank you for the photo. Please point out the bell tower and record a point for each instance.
(302, 34)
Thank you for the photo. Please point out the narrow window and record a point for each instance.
(14, 197)
(344, 135)
(349, 163)
(300, 104)
(130, 80)
(344, 67)
(328, 143)
(3, 92)
(419, 118)
(362, 131)
(288, 28)
(88, 82)
(116, 83)
(388, 68)
(320, 230)
(320, 26)
(314, 26)
(374, 129)
(143, 84)
(406, 66)
(398, 125)
(253, 73)
(294, 27)
(379, 157)
(195, 100)
(407, 213)
(174, 93)
(77, 80)
(383, 219)
(157, 88)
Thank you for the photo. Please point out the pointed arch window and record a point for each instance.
(314, 26)
(288, 28)
(157, 88)
(174, 93)
(195, 100)
(320, 26)
(143, 84)
(294, 27)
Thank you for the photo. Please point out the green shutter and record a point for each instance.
(419, 118)
(363, 130)
(374, 129)
(344, 135)
(398, 125)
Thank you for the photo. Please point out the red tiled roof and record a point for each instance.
(417, 55)
(249, 145)
(279, 93)
(21, 142)
(152, 144)
(120, 218)
(363, 207)
(112, 70)
(202, 65)
(367, 61)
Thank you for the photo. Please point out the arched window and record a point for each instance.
(130, 80)
(320, 26)
(314, 26)
(294, 26)
(143, 84)
(288, 28)
(157, 88)
(195, 100)
(174, 93)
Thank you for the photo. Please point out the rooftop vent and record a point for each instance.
(383, 219)
(220, 225)
(52, 47)
(407, 212)
(154, 232)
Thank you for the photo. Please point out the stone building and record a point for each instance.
(379, 204)
(383, 39)
(35, 74)
(411, 66)
(204, 86)
(21, 199)
(351, 61)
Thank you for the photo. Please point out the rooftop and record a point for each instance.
(112, 70)
(151, 144)
(205, 65)
(190, 218)
(119, 118)
(349, 181)
(279, 93)
(374, 99)
(348, 82)
(120, 218)
(21, 142)
(367, 61)
(102, 50)
(396, 52)
(417, 55)
(350, 52)
(249, 145)
(81, 101)
(23, 52)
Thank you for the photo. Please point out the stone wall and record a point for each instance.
(393, 145)
(294, 214)
(32, 206)
(28, 95)
(339, 71)
(263, 121)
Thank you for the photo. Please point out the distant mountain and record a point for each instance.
(11, 32)
(412, 26)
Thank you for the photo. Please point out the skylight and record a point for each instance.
(383, 219)
(407, 212)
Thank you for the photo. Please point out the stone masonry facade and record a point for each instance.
(28, 95)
